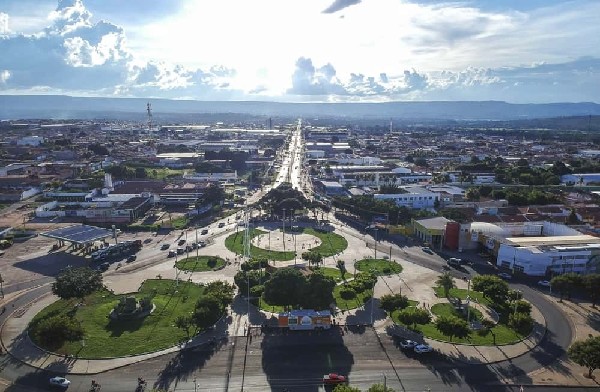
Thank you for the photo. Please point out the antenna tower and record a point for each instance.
(149, 110)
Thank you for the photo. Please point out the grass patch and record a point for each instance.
(378, 266)
(449, 310)
(503, 334)
(462, 294)
(332, 272)
(353, 303)
(331, 243)
(200, 263)
(263, 305)
(107, 338)
(235, 243)
(180, 223)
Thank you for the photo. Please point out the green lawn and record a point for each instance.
(263, 305)
(107, 338)
(180, 223)
(462, 294)
(449, 310)
(333, 272)
(378, 266)
(235, 243)
(200, 264)
(160, 173)
(503, 334)
(331, 243)
(353, 303)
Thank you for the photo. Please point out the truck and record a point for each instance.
(455, 262)
(305, 319)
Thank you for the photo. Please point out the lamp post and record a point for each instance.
(468, 301)
(284, 229)
(516, 301)
(195, 385)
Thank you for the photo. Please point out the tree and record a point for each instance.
(586, 353)
(318, 291)
(222, 291)
(391, 302)
(345, 388)
(573, 280)
(379, 388)
(445, 281)
(53, 331)
(341, 264)
(522, 306)
(520, 322)
(452, 326)
(286, 287)
(492, 287)
(559, 284)
(208, 310)
(413, 316)
(185, 323)
(77, 283)
(591, 283)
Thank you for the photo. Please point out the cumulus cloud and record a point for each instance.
(76, 54)
(4, 23)
(339, 5)
(308, 80)
(4, 76)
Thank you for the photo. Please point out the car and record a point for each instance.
(334, 378)
(221, 224)
(104, 266)
(131, 258)
(180, 251)
(204, 231)
(505, 276)
(201, 243)
(408, 344)
(165, 246)
(172, 253)
(60, 382)
(427, 249)
(181, 242)
(423, 348)
(544, 283)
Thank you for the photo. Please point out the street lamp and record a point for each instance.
(195, 385)
(468, 301)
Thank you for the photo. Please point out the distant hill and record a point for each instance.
(66, 107)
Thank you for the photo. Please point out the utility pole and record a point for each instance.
(284, 229)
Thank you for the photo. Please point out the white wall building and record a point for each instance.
(536, 256)
(417, 198)
(30, 141)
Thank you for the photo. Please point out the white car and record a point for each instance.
(505, 276)
(544, 283)
(408, 344)
(59, 382)
(423, 348)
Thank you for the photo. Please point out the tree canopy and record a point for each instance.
(77, 283)
(586, 353)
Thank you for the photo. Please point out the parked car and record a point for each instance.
(104, 266)
(165, 246)
(59, 382)
(181, 242)
(172, 253)
(201, 243)
(544, 283)
(221, 224)
(204, 231)
(423, 348)
(131, 258)
(427, 249)
(408, 344)
(334, 378)
(505, 276)
(180, 251)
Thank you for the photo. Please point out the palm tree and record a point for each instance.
(446, 281)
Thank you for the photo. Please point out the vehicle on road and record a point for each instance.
(131, 258)
(104, 266)
(204, 231)
(505, 276)
(408, 344)
(181, 242)
(455, 262)
(544, 283)
(423, 348)
(165, 246)
(172, 253)
(180, 251)
(334, 378)
(427, 249)
(59, 382)
(221, 224)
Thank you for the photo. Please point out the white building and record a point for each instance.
(416, 197)
(211, 177)
(580, 179)
(30, 141)
(537, 256)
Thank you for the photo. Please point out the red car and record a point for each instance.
(333, 378)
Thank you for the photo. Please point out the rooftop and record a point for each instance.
(560, 240)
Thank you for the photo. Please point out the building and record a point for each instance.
(33, 141)
(580, 179)
(330, 188)
(431, 230)
(305, 319)
(415, 197)
(542, 256)
(223, 178)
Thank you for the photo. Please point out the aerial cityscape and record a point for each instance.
(342, 195)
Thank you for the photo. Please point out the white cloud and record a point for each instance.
(4, 23)
(4, 76)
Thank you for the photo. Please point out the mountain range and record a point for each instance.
(68, 107)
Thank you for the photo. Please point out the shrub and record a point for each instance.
(387, 270)
(520, 322)
(257, 291)
(347, 293)
(211, 262)
(54, 331)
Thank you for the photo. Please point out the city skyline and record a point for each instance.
(309, 51)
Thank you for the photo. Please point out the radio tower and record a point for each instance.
(149, 110)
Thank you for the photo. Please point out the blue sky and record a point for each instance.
(303, 51)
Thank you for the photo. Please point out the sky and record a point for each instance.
(519, 51)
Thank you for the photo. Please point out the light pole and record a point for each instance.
(516, 301)
(284, 229)
(376, 238)
(195, 385)
(373, 300)
(468, 301)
